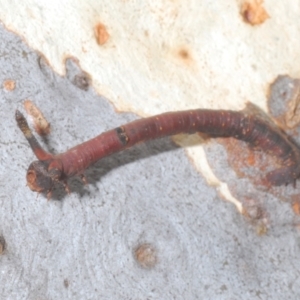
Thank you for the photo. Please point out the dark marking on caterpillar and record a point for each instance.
(250, 125)
(122, 135)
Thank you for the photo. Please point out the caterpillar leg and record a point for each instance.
(83, 178)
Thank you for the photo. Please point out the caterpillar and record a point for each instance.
(250, 125)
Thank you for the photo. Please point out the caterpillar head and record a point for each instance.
(42, 175)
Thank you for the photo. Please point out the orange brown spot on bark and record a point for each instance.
(145, 255)
(9, 84)
(41, 125)
(183, 53)
(253, 12)
(251, 159)
(101, 34)
(296, 207)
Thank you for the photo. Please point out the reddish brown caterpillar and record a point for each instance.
(250, 125)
